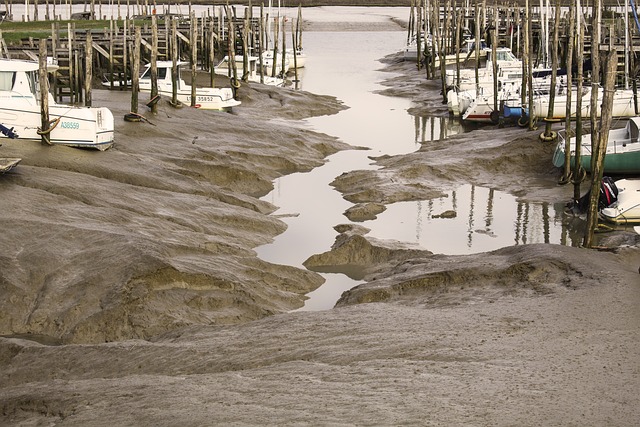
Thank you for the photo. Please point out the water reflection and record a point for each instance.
(430, 129)
(488, 220)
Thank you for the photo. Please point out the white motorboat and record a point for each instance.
(252, 68)
(283, 65)
(505, 60)
(622, 103)
(207, 98)
(627, 208)
(70, 125)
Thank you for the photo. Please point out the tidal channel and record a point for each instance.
(346, 65)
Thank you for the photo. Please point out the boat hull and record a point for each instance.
(622, 156)
(75, 127)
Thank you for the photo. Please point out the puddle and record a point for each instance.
(472, 219)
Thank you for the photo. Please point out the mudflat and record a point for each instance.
(131, 294)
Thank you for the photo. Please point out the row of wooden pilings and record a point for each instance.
(569, 39)
(204, 40)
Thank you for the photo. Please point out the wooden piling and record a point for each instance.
(595, 74)
(605, 125)
(45, 129)
(578, 171)
(193, 42)
(88, 69)
(554, 71)
(294, 43)
(494, 47)
(261, 43)
(135, 70)
(174, 65)
(566, 177)
(154, 63)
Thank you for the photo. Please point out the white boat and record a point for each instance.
(223, 69)
(410, 51)
(20, 111)
(627, 208)
(622, 103)
(622, 155)
(207, 98)
(466, 52)
(505, 60)
(282, 66)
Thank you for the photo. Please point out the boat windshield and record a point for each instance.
(162, 74)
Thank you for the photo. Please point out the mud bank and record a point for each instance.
(157, 232)
(148, 246)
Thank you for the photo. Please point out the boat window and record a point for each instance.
(162, 73)
(7, 79)
(32, 79)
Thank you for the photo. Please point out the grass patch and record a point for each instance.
(14, 32)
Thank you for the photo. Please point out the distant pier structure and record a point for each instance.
(212, 34)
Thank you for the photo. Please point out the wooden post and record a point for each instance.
(566, 177)
(135, 70)
(212, 53)
(284, 48)
(443, 53)
(44, 94)
(245, 46)
(578, 171)
(276, 31)
(477, 47)
(595, 75)
(525, 63)
(194, 50)
(88, 70)
(111, 78)
(54, 44)
(124, 81)
(71, 69)
(294, 43)
(530, 71)
(174, 60)
(261, 43)
(605, 125)
(554, 71)
(460, 13)
(417, 26)
(494, 65)
(154, 62)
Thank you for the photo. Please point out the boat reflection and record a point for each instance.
(472, 219)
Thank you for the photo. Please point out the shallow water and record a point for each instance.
(345, 65)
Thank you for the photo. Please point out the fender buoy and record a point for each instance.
(523, 121)
(495, 117)
(197, 106)
(548, 138)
